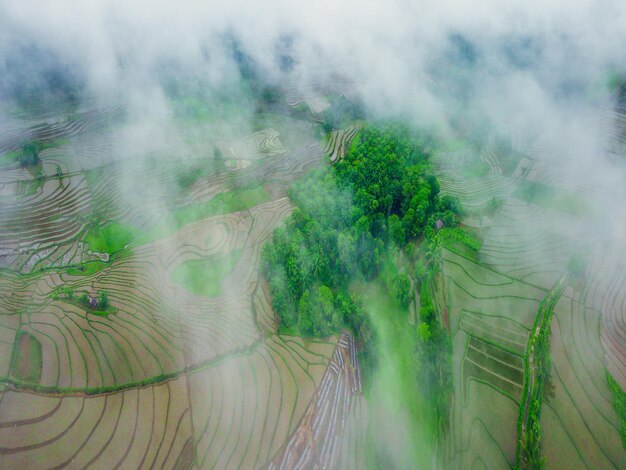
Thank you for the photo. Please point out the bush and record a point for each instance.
(103, 300)
(402, 289)
(29, 153)
(619, 404)
(424, 333)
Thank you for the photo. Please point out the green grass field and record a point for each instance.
(224, 203)
(112, 238)
(205, 276)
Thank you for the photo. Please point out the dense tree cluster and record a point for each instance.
(312, 258)
(382, 194)
(393, 185)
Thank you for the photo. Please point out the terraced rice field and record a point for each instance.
(492, 299)
(313, 88)
(258, 145)
(476, 193)
(236, 414)
(605, 270)
(489, 335)
(581, 428)
(185, 369)
(324, 437)
(530, 243)
(339, 142)
(170, 375)
(490, 316)
(606, 294)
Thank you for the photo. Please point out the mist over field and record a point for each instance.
(528, 57)
(203, 115)
(539, 69)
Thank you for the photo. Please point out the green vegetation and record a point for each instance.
(8, 158)
(341, 112)
(537, 365)
(402, 289)
(30, 187)
(334, 238)
(619, 404)
(112, 238)
(455, 234)
(397, 386)
(493, 206)
(312, 252)
(63, 293)
(27, 358)
(28, 154)
(195, 109)
(355, 230)
(98, 305)
(194, 100)
(103, 300)
(224, 203)
(189, 174)
(372, 248)
(115, 236)
(205, 276)
(87, 269)
(435, 358)
(615, 81)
